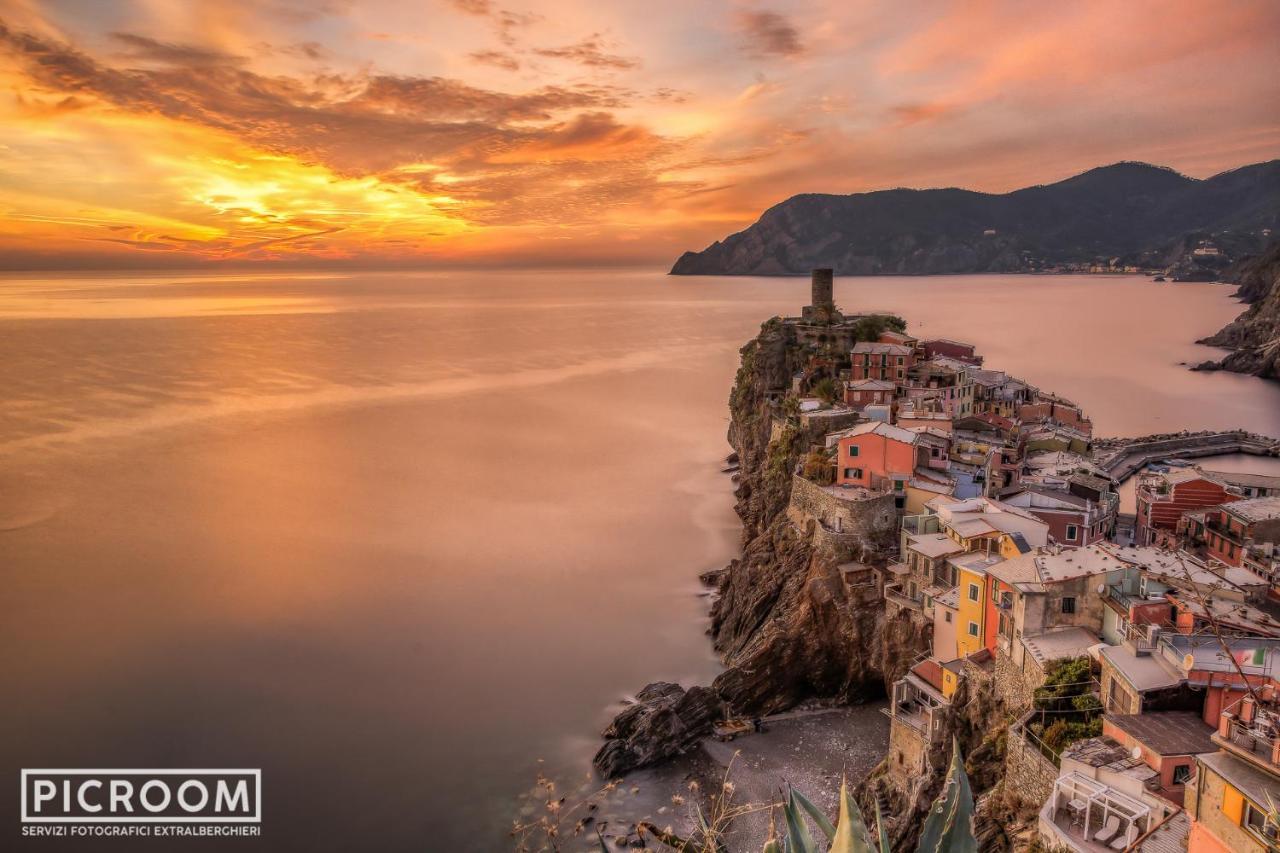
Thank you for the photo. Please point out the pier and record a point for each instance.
(1121, 458)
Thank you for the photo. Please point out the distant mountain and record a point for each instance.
(1132, 214)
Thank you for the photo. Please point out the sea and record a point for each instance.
(406, 540)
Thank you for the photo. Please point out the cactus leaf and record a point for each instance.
(851, 833)
(798, 838)
(881, 835)
(816, 813)
(949, 826)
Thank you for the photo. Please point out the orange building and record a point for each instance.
(877, 455)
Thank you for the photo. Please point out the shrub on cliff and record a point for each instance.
(870, 328)
(818, 468)
(826, 390)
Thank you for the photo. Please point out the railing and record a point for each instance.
(1119, 596)
(1249, 740)
(903, 600)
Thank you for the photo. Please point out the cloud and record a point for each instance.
(767, 34)
(149, 49)
(496, 58)
(507, 150)
(589, 52)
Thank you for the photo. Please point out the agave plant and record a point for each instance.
(947, 829)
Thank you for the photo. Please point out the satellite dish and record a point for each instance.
(1137, 752)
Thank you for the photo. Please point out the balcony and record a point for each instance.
(1255, 741)
(1117, 594)
(900, 598)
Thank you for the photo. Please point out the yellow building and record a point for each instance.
(971, 608)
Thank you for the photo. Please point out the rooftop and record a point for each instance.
(1143, 672)
(1255, 509)
(1243, 776)
(929, 670)
(880, 428)
(1055, 564)
(872, 385)
(1257, 481)
(1180, 566)
(1167, 732)
(1063, 643)
(1106, 754)
(933, 545)
(876, 348)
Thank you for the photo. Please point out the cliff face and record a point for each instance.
(1254, 335)
(785, 621)
(1143, 214)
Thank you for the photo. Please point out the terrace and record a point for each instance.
(1085, 815)
(1251, 730)
(914, 704)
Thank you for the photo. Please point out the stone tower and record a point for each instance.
(823, 289)
(823, 306)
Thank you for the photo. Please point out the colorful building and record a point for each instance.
(1163, 497)
(876, 456)
(1231, 529)
(886, 362)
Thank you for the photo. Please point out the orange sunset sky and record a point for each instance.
(168, 133)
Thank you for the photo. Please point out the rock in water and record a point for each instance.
(665, 721)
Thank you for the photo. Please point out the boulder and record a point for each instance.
(665, 720)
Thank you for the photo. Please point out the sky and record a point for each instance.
(179, 133)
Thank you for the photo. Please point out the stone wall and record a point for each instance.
(908, 750)
(844, 528)
(1028, 775)
(1014, 687)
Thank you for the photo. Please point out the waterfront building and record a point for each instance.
(1231, 529)
(1081, 514)
(1164, 496)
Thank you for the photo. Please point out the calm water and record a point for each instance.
(396, 537)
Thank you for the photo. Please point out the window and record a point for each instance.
(1255, 820)
(900, 361)
(899, 485)
(853, 473)
(853, 450)
(899, 503)
(973, 592)
(1069, 604)
(935, 452)
(973, 629)
(947, 616)
(1182, 774)
(1072, 532)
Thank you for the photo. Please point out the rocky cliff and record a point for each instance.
(784, 620)
(1141, 214)
(1254, 336)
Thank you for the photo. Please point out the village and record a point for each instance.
(1137, 655)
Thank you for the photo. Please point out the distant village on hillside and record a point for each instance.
(1140, 653)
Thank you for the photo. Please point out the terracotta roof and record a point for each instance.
(929, 671)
